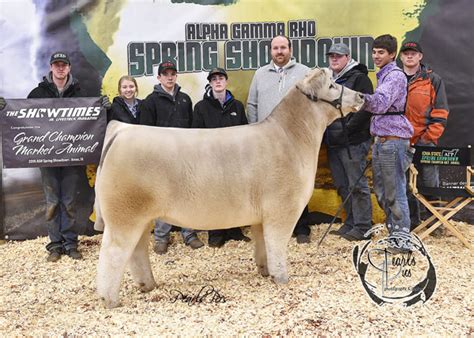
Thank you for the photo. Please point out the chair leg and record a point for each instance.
(445, 220)
(428, 206)
(452, 212)
(443, 216)
(428, 221)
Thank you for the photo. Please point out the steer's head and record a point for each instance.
(319, 86)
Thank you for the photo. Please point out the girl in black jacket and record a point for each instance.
(125, 106)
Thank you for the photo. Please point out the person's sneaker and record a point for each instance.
(53, 256)
(74, 253)
(355, 235)
(160, 248)
(302, 239)
(398, 250)
(344, 229)
(399, 245)
(195, 243)
(216, 241)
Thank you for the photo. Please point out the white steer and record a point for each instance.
(260, 175)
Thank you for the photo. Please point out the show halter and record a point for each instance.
(337, 103)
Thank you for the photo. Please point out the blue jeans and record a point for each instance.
(345, 171)
(162, 232)
(428, 176)
(60, 185)
(390, 161)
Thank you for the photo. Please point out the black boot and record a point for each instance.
(216, 238)
(237, 235)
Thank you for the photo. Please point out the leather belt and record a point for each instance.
(382, 139)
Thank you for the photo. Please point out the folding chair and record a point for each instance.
(454, 195)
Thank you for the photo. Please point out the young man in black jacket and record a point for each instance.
(217, 109)
(348, 140)
(60, 184)
(168, 106)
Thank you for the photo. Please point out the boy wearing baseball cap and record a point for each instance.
(168, 106)
(427, 111)
(217, 109)
(61, 183)
(348, 142)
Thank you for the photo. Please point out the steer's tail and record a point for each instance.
(113, 129)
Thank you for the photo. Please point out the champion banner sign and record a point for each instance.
(52, 132)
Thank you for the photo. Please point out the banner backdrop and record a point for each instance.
(108, 39)
(52, 132)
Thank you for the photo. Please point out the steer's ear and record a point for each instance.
(313, 82)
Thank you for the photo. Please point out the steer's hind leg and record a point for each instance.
(260, 253)
(277, 236)
(140, 264)
(118, 243)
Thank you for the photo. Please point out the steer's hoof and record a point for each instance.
(110, 304)
(280, 279)
(263, 270)
(147, 288)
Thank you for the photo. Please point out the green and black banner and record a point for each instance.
(108, 39)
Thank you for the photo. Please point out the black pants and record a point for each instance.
(233, 233)
(302, 227)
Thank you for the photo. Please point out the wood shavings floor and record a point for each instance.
(324, 296)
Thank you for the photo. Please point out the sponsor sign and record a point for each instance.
(442, 156)
(52, 132)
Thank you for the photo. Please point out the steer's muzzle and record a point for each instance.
(359, 101)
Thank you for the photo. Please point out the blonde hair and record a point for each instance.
(127, 78)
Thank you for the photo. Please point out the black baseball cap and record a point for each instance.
(166, 65)
(215, 71)
(59, 57)
(411, 45)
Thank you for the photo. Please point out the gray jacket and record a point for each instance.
(268, 88)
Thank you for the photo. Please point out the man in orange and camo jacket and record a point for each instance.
(426, 109)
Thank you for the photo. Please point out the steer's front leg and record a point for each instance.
(140, 263)
(110, 269)
(118, 243)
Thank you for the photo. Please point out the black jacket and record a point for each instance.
(119, 111)
(209, 113)
(163, 110)
(357, 124)
(47, 89)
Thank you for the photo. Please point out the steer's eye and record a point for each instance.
(332, 86)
